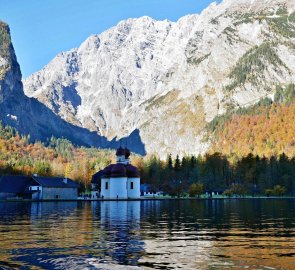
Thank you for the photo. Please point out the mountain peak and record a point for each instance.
(166, 80)
(10, 74)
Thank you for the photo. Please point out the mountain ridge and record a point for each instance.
(122, 79)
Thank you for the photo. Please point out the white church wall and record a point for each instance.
(118, 188)
(105, 188)
(133, 190)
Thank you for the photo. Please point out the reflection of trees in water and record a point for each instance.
(36, 232)
(218, 233)
(217, 213)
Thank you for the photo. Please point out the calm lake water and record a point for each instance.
(207, 234)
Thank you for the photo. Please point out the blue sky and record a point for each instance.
(41, 29)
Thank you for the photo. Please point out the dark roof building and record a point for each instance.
(54, 188)
(38, 188)
(55, 182)
(13, 183)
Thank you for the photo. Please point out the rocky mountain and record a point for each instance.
(167, 80)
(29, 116)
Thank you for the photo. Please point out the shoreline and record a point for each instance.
(151, 199)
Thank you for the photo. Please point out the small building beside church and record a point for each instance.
(118, 181)
(37, 188)
(52, 188)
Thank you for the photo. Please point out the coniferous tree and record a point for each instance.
(177, 164)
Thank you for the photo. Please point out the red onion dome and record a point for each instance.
(107, 171)
(118, 170)
(120, 152)
(132, 171)
(127, 153)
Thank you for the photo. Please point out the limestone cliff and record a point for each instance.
(168, 79)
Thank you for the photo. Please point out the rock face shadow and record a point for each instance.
(70, 94)
(32, 117)
(133, 142)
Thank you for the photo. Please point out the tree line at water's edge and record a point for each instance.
(251, 175)
(253, 152)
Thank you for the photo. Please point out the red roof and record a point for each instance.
(118, 170)
(132, 171)
(107, 171)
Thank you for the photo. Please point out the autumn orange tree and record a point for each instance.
(59, 157)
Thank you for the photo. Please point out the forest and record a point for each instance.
(264, 129)
(251, 175)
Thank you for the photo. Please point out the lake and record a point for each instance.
(170, 234)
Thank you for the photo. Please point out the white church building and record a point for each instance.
(118, 181)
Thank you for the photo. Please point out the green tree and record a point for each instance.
(196, 189)
(43, 168)
(169, 162)
(279, 190)
(177, 165)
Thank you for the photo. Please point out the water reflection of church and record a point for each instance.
(120, 222)
(117, 181)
